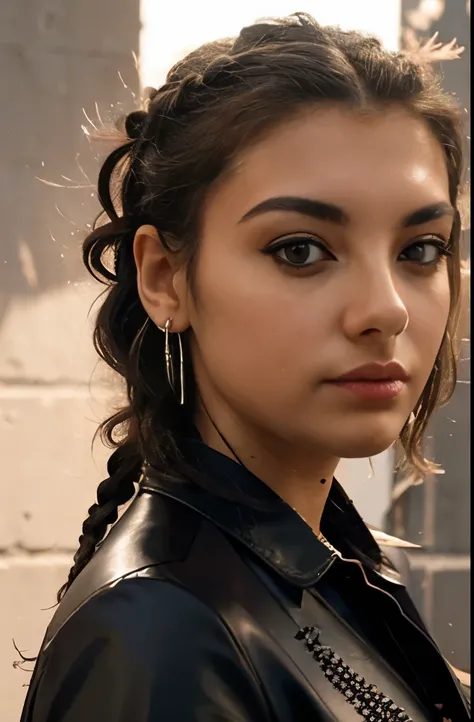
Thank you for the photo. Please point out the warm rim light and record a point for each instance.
(169, 30)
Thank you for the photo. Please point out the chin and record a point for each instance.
(357, 437)
(361, 445)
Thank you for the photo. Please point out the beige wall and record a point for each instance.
(56, 58)
(49, 473)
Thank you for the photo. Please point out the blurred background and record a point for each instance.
(66, 67)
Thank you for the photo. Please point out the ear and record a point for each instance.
(160, 280)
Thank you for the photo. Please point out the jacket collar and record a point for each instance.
(270, 528)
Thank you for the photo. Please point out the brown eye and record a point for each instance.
(426, 253)
(299, 253)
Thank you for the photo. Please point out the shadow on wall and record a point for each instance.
(52, 66)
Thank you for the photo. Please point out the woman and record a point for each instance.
(284, 293)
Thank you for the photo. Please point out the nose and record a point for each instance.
(374, 306)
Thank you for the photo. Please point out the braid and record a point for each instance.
(124, 468)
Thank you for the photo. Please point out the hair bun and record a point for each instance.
(135, 123)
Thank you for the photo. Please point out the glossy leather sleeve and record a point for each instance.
(144, 651)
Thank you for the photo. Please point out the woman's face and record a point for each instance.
(344, 270)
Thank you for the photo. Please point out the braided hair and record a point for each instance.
(214, 103)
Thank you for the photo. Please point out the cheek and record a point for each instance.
(254, 331)
(429, 314)
(248, 332)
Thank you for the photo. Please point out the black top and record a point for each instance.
(198, 609)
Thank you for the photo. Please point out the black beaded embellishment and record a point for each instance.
(367, 700)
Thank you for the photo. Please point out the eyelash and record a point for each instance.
(444, 249)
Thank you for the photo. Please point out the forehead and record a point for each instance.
(341, 156)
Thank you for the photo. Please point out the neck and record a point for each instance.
(301, 477)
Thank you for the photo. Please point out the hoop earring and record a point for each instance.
(170, 373)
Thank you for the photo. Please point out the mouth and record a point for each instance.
(373, 382)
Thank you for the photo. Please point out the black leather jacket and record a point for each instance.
(198, 609)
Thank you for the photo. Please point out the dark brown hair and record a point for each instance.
(218, 100)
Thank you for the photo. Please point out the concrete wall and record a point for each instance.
(56, 58)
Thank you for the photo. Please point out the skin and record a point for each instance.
(266, 336)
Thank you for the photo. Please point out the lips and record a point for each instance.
(392, 371)
(374, 382)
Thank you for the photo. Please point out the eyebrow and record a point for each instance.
(428, 213)
(328, 212)
(304, 206)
